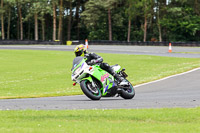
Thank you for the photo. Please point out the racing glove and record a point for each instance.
(92, 62)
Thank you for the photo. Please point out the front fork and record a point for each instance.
(90, 79)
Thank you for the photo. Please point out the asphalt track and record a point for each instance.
(181, 90)
(185, 52)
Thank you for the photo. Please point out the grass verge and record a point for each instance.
(117, 121)
(34, 73)
(188, 52)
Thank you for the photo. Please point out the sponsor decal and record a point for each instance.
(113, 83)
(104, 77)
(106, 89)
(82, 65)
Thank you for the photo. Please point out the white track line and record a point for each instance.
(168, 77)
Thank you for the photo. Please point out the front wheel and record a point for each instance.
(92, 91)
(128, 92)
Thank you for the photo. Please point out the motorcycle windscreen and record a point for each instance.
(76, 61)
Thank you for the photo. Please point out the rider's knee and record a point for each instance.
(105, 65)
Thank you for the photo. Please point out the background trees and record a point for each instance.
(2, 20)
(130, 20)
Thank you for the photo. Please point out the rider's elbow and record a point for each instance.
(100, 60)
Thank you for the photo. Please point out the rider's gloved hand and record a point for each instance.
(92, 62)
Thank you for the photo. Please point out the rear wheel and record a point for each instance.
(128, 92)
(92, 91)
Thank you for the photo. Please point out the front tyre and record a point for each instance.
(128, 93)
(91, 91)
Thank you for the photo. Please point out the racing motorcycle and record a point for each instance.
(96, 82)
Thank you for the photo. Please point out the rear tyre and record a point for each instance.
(92, 92)
(128, 93)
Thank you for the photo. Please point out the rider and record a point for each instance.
(93, 58)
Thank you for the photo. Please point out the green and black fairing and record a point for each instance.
(105, 80)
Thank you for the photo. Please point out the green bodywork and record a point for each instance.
(105, 78)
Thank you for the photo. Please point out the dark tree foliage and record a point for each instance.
(122, 20)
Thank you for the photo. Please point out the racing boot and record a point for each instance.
(118, 78)
(115, 75)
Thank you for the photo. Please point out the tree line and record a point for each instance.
(123, 20)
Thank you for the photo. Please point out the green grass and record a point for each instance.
(187, 52)
(175, 120)
(26, 73)
(34, 73)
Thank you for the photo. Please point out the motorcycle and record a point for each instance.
(96, 82)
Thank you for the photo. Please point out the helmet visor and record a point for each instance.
(79, 53)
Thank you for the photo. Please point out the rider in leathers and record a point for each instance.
(93, 58)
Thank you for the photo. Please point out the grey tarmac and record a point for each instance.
(192, 52)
